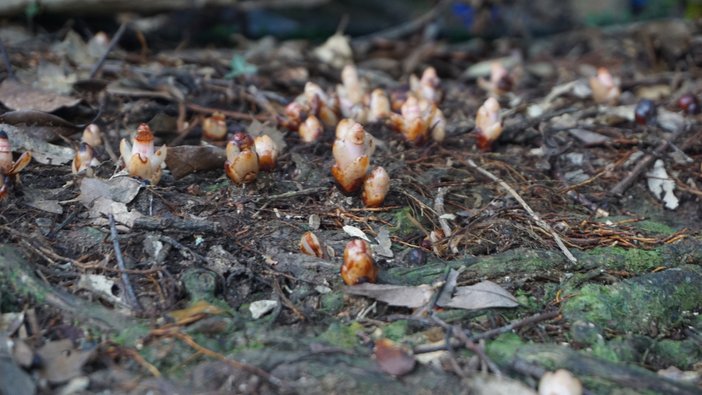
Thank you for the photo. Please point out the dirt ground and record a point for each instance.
(572, 242)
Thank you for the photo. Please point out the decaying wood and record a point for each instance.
(17, 275)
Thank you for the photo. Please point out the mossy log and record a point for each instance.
(16, 275)
(600, 376)
(529, 262)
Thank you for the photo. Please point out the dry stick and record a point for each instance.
(645, 162)
(517, 324)
(131, 296)
(492, 332)
(115, 39)
(6, 60)
(269, 378)
(230, 114)
(409, 27)
(543, 224)
(439, 208)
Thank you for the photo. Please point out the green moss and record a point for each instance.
(653, 227)
(217, 186)
(403, 225)
(504, 347)
(681, 354)
(656, 302)
(332, 302)
(602, 350)
(632, 260)
(343, 336)
(396, 331)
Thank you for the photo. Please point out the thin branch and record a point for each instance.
(115, 39)
(131, 296)
(645, 163)
(543, 224)
(408, 27)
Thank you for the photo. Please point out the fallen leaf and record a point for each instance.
(18, 96)
(42, 152)
(196, 309)
(392, 359)
(103, 287)
(588, 137)
(670, 121)
(102, 207)
(383, 248)
(482, 295)
(61, 361)
(355, 232)
(394, 295)
(261, 307)
(41, 125)
(186, 159)
(118, 189)
(50, 206)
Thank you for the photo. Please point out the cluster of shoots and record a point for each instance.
(9, 168)
(413, 112)
(84, 159)
(247, 156)
(352, 150)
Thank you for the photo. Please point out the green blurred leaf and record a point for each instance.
(239, 66)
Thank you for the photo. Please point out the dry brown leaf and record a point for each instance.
(394, 295)
(196, 309)
(392, 359)
(17, 96)
(118, 189)
(61, 361)
(42, 152)
(186, 159)
(41, 125)
(482, 295)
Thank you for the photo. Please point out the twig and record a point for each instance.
(439, 208)
(469, 344)
(543, 224)
(287, 302)
(6, 60)
(115, 39)
(255, 370)
(517, 324)
(488, 334)
(153, 223)
(131, 296)
(645, 162)
(229, 113)
(408, 27)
